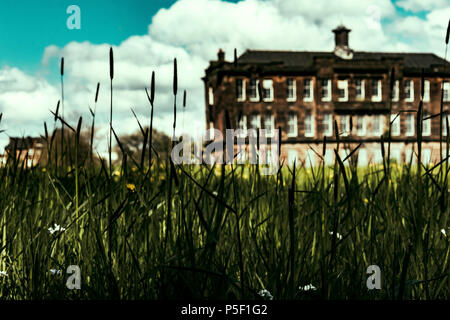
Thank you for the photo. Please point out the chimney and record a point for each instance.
(221, 56)
(342, 48)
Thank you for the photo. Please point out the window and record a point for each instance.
(409, 125)
(292, 125)
(395, 154)
(343, 90)
(444, 124)
(426, 156)
(255, 121)
(310, 159)
(361, 126)
(267, 90)
(410, 156)
(325, 89)
(309, 125)
(377, 125)
(395, 91)
(395, 124)
(211, 96)
(426, 125)
(242, 125)
(360, 90)
(292, 157)
(254, 94)
(307, 90)
(377, 156)
(376, 90)
(291, 89)
(446, 91)
(409, 91)
(362, 157)
(240, 90)
(327, 124)
(328, 157)
(211, 130)
(426, 91)
(345, 125)
(269, 124)
(343, 153)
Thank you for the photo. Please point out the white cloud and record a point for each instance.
(193, 31)
(421, 5)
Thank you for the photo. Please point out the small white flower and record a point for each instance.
(339, 236)
(308, 287)
(443, 232)
(56, 228)
(54, 271)
(265, 294)
(215, 193)
(3, 274)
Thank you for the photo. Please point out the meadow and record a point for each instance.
(156, 230)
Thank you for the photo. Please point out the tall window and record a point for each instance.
(361, 126)
(362, 157)
(395, 124)
(426, 91)
(291, 89)
(292, 125)
(255, 121)
(360, 90)
(254, 94)
(292, 157)
(409, 124)
(211, 96)
(446, 91)
(327, 124)
(409, 91)
(307, 89)
(345, 125)
(395, 91)
(242, 125)
(444, 123)
(240, 90)
(309, 125)
(426, 155)
(269, 124)
(211, 130)
(310, 159)
(377, 125)
(343, 90)
(376, 90)
(325, 89)
(267, 90)
(426, 125)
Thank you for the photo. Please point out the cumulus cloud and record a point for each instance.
(420, 5)
(193, 31)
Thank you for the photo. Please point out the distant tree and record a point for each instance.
(133, 144)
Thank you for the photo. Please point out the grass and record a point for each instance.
(166, 231)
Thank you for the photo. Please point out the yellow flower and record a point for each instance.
(116, 173)
(366, 200)
(133, 169)
(131, 187)
(44, 169)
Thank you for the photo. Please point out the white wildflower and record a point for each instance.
(56, 228)
(339, 236)
(443, 232)
(3, 274)
(215, 193)
(265, 294)
(308, 287)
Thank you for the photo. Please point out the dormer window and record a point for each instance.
(343, 90)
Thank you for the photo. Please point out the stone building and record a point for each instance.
(27, 150)
(304, 92)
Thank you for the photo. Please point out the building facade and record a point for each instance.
(27, 150)
(304, 93)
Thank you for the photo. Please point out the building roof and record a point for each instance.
(305, 59)
(23, 143)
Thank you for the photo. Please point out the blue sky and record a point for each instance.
(147, 34)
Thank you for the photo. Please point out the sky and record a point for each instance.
(146, 35)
